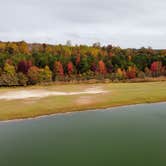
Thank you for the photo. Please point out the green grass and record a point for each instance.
(118, 94)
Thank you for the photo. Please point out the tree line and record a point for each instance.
(22, 63)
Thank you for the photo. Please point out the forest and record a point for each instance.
(24, 63)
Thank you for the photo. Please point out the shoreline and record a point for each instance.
(118, 94)
(79, 111)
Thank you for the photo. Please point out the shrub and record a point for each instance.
(141, 74)
(8, 80)
(22, 79)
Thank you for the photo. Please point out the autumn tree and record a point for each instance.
(119, 73)
(78, 59)
(101, 67)
(9, 69)
(70, 68)
(33, 75)
(58, 69)
(23, 66)
(156, 68)
(23, 48)
(2, 47)
(45, 74)
(12, 48)
(131, 72)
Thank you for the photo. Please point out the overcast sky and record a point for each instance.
(126, 23)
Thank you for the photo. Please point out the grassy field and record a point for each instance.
(117, 94)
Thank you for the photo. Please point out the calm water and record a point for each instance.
(124, 136)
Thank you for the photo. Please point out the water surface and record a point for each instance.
(122, 136)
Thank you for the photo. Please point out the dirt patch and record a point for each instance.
(83, 100)
(25, 94)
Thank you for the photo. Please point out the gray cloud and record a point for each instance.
(128, 23)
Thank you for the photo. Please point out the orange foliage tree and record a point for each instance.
(33, 75)
(58, 68)
(102, 69)
(131, 72)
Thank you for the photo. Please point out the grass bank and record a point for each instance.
(117, 94)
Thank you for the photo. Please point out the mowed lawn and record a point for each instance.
(116, 94)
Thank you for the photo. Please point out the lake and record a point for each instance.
(122, 136)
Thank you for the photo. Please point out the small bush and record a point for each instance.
(141, 74)
(8, 80)
(22, 79)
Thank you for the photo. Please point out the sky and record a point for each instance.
(124, 23)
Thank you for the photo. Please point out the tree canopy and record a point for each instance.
(36, 63)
